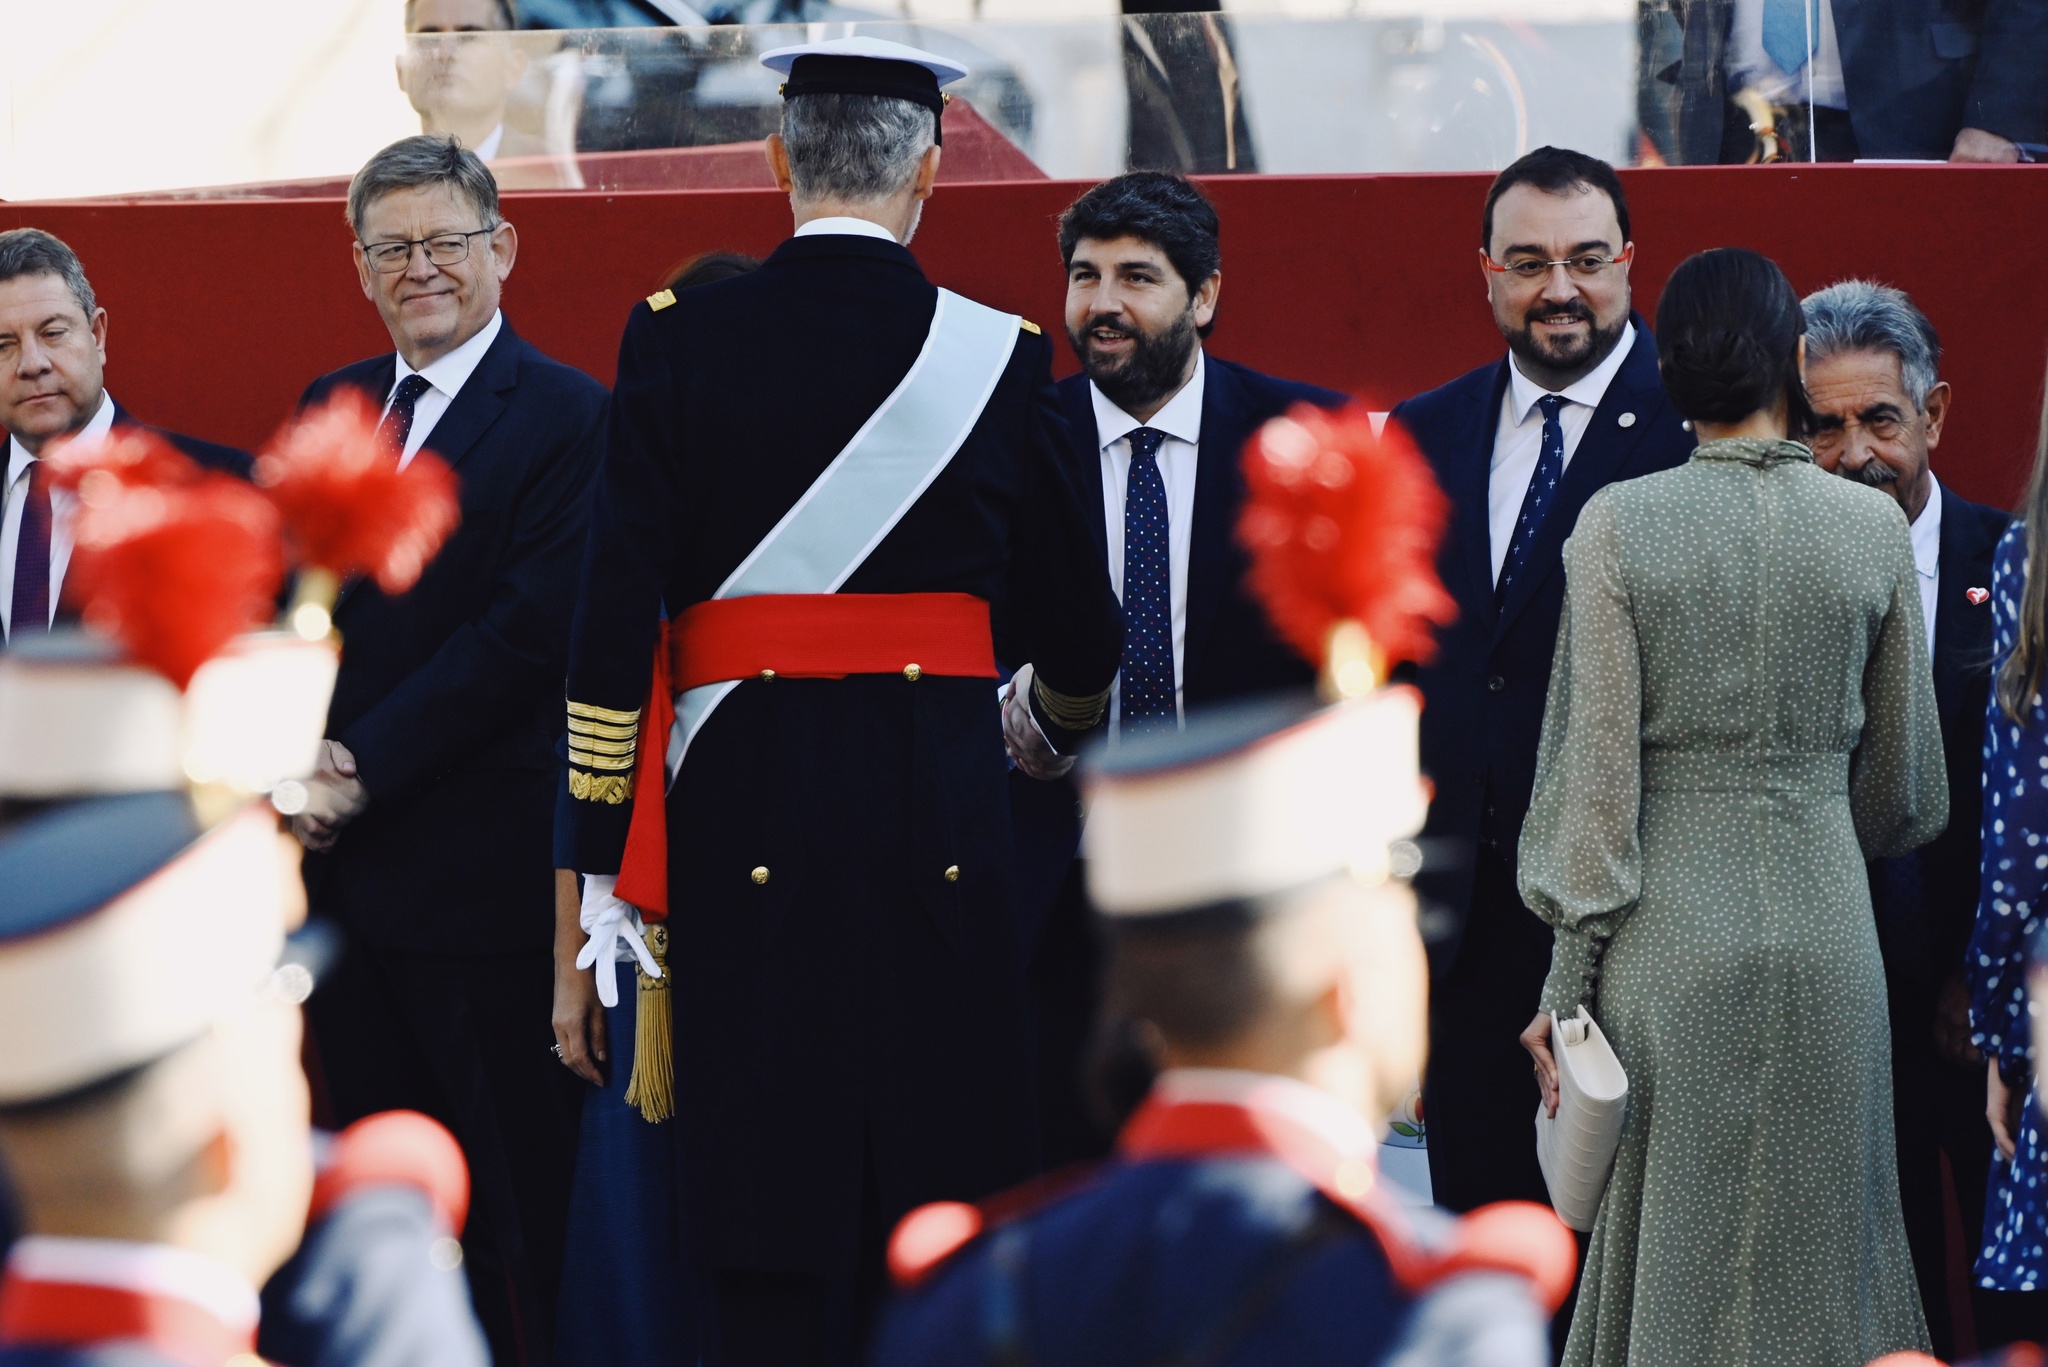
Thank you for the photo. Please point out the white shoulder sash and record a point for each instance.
(871, 484)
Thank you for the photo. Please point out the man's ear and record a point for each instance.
(363, 273)
(1205, 297)
(778, 164)
(212, 1168)
(928, 172)
(99, 334)
(1936, 409)
(505, 249)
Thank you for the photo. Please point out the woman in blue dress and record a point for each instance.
(2013, 1257)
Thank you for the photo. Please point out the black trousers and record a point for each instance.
(467, 1039)
(1479, 1093)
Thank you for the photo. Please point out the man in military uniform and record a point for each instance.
(153, 1113)
(1260, 941)
(823, 472)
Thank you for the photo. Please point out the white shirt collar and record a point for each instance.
(95, 429)
(1181, 418)
(851, 227)
(149, 1269)
(1926, 532)
(452, 371)
(1589, 389)
(487, 150)
(1343, 1129)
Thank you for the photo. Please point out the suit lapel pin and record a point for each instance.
(1627, 420)
(1976, 596)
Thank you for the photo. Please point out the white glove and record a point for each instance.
(614, 930)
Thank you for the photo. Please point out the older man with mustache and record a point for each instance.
(1519, 445)
(1873, 377)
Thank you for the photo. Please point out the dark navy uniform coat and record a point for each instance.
(849, 1006)
(1223, 1261)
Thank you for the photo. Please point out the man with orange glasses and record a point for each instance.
(1519, 445)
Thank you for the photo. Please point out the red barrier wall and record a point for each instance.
(222, 311)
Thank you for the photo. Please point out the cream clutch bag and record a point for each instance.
(1576, 1149)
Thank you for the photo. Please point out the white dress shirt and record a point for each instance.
(445, 379)
(851, 227)
(1518, 438)
(1926, 531)
(1750, 66)
(487, 150)
(62, 506)
(146, 1269)
(1181, 421)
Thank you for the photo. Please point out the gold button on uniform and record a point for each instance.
(912, 673)
(760, 874)
(952, 873)
(767, 676)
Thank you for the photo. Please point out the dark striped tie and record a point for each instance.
(1145, 695)
(31, 606)
(1535, 503)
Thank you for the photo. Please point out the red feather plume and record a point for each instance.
(1342, 525)
(348, 507)
(129, 454)
(173, 563)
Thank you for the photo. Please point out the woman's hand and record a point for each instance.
(1536, 1039)
(2001, 1108)
(578, 1015)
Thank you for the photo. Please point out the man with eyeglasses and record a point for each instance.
(430, 822)
(1519, 445)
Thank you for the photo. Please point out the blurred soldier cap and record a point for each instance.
(865, 66)
(77, 719)
(1254, 801)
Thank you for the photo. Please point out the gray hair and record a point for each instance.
(1862, 315)
(424, 160)
(31, 251)
(854, 147)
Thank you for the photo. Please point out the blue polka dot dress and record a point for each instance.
(2014, 1253)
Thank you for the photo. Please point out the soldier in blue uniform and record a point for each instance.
(823, 472)
(153, 1111)
(1261, 943)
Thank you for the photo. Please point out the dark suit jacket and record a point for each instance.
(855, 998)
(1484, 692)
(1917, 72)
(450, 695)
(1923, 936)
(1230, 650)
(212, 455)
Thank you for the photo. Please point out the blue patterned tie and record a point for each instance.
(1535, 503)
(1787, 24)
(1145, 695)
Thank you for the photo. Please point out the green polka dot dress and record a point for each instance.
(1741, 714)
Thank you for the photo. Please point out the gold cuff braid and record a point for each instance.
(1066, 710)
(592, 712)
(610, 789)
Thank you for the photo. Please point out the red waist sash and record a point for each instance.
(829, 636)
(77, 1315)
(784, 636)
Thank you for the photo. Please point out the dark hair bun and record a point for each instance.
(1728, 329)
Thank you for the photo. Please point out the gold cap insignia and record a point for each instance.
(661, 300)
(1030, 327)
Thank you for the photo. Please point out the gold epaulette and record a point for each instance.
(1065, 709)
(1034, 329)
(602, 745)
(661, 299)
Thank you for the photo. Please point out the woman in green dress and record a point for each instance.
(1741, 713)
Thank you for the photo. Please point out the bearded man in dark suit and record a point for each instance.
(1519, 445)
(1158, 425)
(430, 824)
(1873, 377)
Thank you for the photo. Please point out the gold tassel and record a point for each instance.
(652, 1086)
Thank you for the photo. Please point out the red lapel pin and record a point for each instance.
(1976, 596)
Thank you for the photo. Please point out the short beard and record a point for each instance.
(1578, 361)
(1155, 367)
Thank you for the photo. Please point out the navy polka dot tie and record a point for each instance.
(1535, 503)
(1145, 695)
(396, 429)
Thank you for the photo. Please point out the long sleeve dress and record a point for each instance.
(2014, 894)
(1741, 712)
